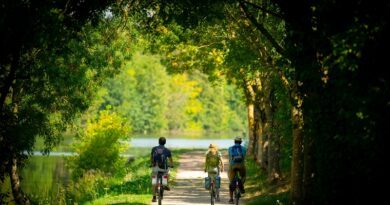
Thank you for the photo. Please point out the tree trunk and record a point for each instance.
(17, 193)
(273, 169)
(274, 173)
(4, 91)
(296, 192)
(251, 128)
(258, 134)
(250, 96)
(309, 172)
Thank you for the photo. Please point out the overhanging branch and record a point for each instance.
(262, 29)
(264, 9)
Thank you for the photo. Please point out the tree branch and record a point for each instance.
(261, 28)
(8, 81)
(264, 9)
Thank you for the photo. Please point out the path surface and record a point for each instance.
(188, 187)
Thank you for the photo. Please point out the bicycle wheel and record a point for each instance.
(160, 190)
(237, 196)
(212, 194)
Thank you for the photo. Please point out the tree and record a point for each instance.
(48, 72)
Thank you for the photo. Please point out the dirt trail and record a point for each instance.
(188, 186)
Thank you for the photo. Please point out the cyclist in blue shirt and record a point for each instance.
(237, 154)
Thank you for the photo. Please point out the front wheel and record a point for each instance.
(160, 192)
(212, 194)
(160, 196)
(237, 196)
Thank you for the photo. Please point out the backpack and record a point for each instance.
(159, 157)
(237, 155)
(213, 159)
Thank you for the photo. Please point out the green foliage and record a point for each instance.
(91, 185)
(184, 105)
(50, 69)
(172, 102)
(99, 146)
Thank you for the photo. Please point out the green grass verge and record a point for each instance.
(259, 191)
(135, 188)
(123, 199)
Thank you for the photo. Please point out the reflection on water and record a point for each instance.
(42, 178)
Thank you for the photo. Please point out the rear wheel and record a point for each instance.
(212, 193)
(237, 196)
(160, 191)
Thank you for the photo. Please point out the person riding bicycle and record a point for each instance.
(213, 164)
(159, 162)
(236, 164)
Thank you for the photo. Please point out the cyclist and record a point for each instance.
(159, 162)
(213, 164)
(236, 164)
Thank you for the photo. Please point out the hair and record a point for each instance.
(162, 140)
(213, 150)
(238, 140)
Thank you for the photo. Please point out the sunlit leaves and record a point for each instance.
(98, 147)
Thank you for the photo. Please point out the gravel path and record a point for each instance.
(188, 186)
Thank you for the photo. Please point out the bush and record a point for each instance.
(98, 147)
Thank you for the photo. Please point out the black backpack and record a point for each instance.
(159, 157)
(237, 155)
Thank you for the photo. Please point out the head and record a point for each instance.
(237, 140)
(213, 148)
(162, 140)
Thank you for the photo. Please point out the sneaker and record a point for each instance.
(154, 199)
(167, 188)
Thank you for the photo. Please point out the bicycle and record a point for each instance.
(213, 190)
(236, 188)
(162, 180)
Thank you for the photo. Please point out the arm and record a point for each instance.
(229, 155)
(151, 158)
(221, 162)
(170, 161)
(206, 163)
(169, 156)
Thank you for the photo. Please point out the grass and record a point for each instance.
(142, 199)
(135, 188)
(259, 191)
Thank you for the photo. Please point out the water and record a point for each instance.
(182, 143)
(138, 145)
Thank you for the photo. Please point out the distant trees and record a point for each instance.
(154, 100)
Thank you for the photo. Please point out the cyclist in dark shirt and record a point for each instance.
(158, 161)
